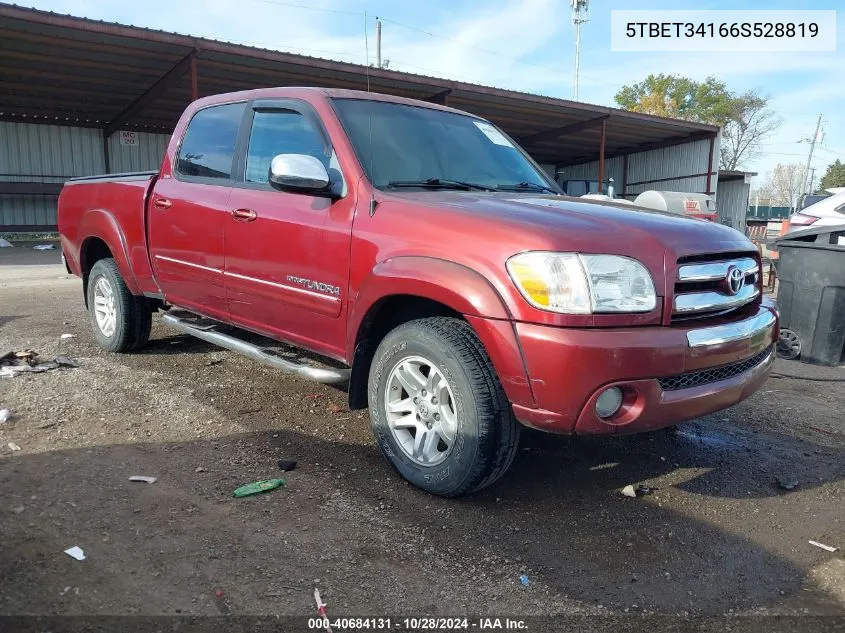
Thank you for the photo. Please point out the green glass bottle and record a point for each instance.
(257, 487)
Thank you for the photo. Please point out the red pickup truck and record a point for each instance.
(437, 270)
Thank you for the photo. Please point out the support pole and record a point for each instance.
(710, 164)
(106, 157)
(624, 175)
(195, 92)
(601, 156)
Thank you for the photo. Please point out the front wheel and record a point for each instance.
(121, 321)
(438, 410)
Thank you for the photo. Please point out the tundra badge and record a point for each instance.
(319, 286)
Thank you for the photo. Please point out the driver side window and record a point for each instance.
(281, 132)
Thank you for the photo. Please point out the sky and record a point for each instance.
(526, 45)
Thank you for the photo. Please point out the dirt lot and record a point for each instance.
(718, 536)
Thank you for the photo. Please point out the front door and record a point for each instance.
(188, 210)
(287, 254)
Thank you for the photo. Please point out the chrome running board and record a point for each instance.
(325, 375)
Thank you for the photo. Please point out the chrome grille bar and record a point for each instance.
(714, 271)
(711, 301)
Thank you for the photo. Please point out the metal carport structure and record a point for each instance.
(100, 78)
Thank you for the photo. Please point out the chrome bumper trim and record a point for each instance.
(714, 271)
(741, 330)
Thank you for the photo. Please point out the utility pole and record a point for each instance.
(378, 43)
(816, 137)
(580, 15)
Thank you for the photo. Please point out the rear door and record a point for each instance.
(287, 254)
(188, 210)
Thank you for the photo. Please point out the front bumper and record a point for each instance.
(569, 368)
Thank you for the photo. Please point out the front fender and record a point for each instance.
(101, 223)
(463, 290)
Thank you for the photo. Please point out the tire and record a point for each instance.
(131, 316)
(474, 412)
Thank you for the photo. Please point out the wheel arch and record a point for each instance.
(403, 289)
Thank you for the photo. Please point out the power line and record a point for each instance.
(309, 8)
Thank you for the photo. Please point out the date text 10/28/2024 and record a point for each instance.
(416, 624)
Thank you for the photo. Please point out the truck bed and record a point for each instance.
(111, 207)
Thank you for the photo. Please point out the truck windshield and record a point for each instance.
(410, 147)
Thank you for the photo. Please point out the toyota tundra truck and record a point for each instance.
(430, 266)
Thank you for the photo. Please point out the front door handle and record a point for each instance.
(244, 215)
(162, 203)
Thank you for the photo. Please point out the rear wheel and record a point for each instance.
(438, 411)
(120, 320)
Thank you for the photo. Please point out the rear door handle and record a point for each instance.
(244, 215)
(162, 203)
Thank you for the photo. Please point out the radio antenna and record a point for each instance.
(373, 201)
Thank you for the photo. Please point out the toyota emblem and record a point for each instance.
(735, 280)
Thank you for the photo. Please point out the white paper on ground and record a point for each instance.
(143, 479)
(75, 552)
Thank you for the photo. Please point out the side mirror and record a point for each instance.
(298, 173)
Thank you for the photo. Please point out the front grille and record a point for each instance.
(714, 374)
(702, 286)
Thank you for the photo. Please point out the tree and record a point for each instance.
(785, 185)
(833, 177)
(744, 118)
(749, 123)
(679, 97)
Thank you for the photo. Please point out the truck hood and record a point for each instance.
(586, 225)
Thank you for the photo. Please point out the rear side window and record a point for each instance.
(209, 144)
(281, 132)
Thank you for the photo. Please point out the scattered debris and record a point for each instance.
(47, 426)
(334, 408)
(5, 243)
(199, 469)
(18, 509)
(287, 464)
(819, 430)
(214, 362)
(258, 487)
(67, 336)
(827, 548)
(246, 411)
(321, 608)
(218, 594)
(13, 446)
(143, 479)
(640, 491)
(787, 482)
(75, 552)
(5, 414)
(14, 363)
(45, 247)
(524, 581)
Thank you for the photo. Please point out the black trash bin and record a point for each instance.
(811, 296)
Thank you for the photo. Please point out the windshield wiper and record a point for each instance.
(529, 186)
(439, 183)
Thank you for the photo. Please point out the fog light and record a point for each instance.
(608, 402)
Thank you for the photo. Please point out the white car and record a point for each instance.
(827, 212)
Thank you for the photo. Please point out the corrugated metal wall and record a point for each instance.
(145, 156)
(675, 163)
(732, 203)
(54, 153)
(590, 171)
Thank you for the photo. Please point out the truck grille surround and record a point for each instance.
(714, 374)
(714, 285)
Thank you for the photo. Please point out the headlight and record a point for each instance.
(582, 284)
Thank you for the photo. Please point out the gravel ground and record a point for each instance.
(717, 536)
